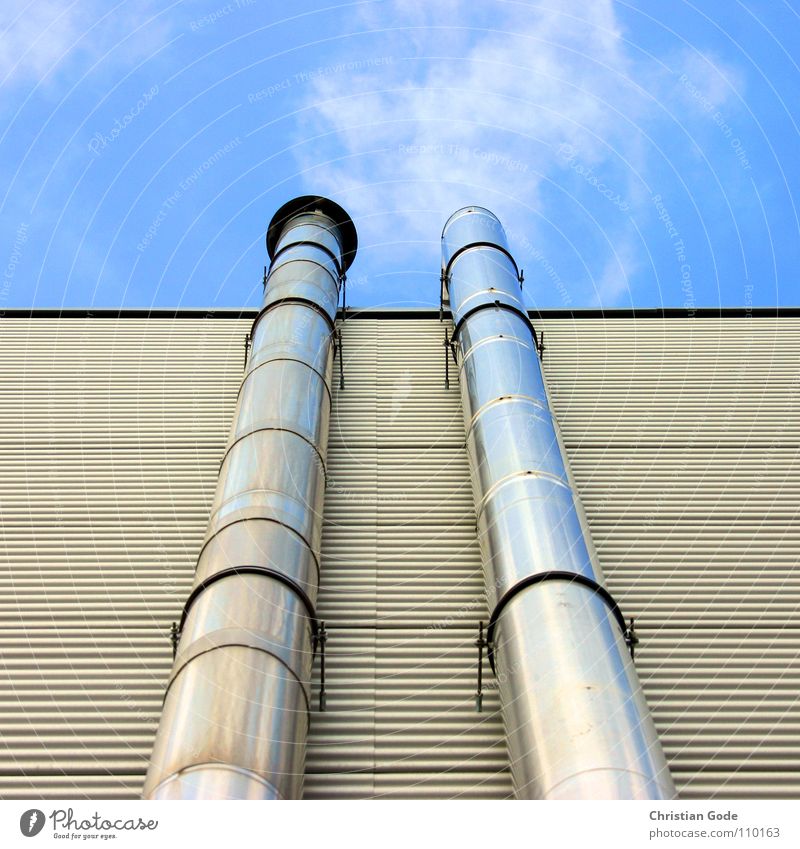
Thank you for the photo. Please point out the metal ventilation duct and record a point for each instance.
(236, 711)
(576, 721)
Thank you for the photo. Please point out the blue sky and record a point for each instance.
(641, 153)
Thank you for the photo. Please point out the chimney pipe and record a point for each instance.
(236, 711)
(576, 720)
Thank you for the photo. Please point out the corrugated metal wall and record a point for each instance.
(684, 438)
(684, 442)
(112, 433)
(402, 582)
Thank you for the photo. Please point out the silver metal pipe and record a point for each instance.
(236, 711)
(576, 721)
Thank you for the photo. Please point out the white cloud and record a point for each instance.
(487, 120)
(35, 36)
(464, 114)
(705, 82)
(425, 136)
(612, 286)
(39, 37)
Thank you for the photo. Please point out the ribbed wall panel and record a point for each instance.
(402, 588)
(111, 436)
(684, 441)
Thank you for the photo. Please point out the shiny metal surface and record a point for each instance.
(469, 226)
(204, 781)
(295, 276)
(576, 721)
(236, 712)
(309, 229)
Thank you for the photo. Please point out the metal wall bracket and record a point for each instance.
(248, 339)
(446, 344)
(319, 633)
(521, 277)
(320, 638)
(481, 644)
(631, 637)
(264, 278)
(540, 345)
(318, 641)
(337, 352)
(449, 349)
(553, 575)
(174, 637)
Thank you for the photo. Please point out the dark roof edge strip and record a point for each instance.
(412, 313)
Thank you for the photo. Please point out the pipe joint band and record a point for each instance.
(496, 305)
(215, 767)
(515, 477)
(233, 638)
(309, 243)
(237, 518)
(464, 248)
(284, 359)
(254, 570)
(277, 429)
(292, 299)
(554, 575)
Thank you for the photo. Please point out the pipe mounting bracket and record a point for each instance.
(628, 631)
(319, 633)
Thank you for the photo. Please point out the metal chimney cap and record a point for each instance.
(315, 203)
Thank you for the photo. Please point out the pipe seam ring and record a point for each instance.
(496, 305)
(464, 248)
(335, 277)
(308, 243)
(648, 778)
(507, 480)
(264, 571)
(292, 299)
(282, 360)
(539, 404)
(198, 767)
(322, 461)
(503, 338)
(190, 656)
(222, 516)
(278, 522)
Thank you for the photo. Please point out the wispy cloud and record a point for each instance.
(483, 121)
(564, 117)
(478, 115)
(38, 38)
(613, 283)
